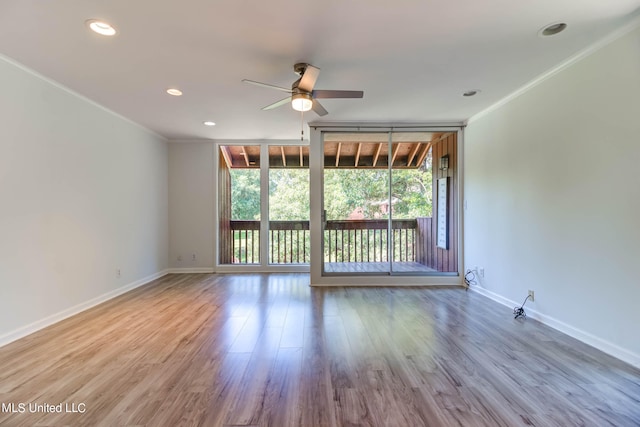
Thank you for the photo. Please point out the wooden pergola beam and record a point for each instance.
(338, 154)
(246, 156)
(440, 137)
(412, 154)
(227, 156)
(284, 158)
(375, 157)
(394, 152)
(358, 154)
(423, 154)
(301, 157)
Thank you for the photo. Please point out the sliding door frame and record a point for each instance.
(316, 166)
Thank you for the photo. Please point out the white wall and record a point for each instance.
(83, 192)
(191, 215)
(553, 199)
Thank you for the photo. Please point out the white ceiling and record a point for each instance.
(412, 58)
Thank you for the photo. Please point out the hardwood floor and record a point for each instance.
(267, 350)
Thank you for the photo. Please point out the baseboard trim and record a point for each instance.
(587, 338)
(72, 311)
(190, 270)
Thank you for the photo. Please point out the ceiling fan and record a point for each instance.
(302, 95)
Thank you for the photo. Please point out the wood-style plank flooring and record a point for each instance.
(267, 350)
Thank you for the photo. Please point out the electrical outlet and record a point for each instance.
(531, 296)
(481, 272)
(193, 257)
(118, 274)
(179, 258)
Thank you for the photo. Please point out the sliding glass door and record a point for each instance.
(356, 209)
(411, 199)
(379, 201)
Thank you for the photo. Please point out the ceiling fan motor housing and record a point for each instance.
(300, 68)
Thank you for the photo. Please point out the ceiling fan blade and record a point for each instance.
(278, 104)
(309, 78)
(318, 108)
(284, 89)
(337, 94)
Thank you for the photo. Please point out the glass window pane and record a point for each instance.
(411, 198)
(289, 205)
(356, 194)
(239, 204)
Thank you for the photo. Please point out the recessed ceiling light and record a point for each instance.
(101, 27)
(552, 29)
(470, 93)
(208, 123)
(174, 92)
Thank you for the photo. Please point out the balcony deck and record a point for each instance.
(375, 267)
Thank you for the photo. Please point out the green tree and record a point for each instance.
(245, 194)
(345, 191)
(349, 190)
(289, 194)
(412, 190)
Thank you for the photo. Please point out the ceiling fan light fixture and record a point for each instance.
(301, 102)
(302, 95)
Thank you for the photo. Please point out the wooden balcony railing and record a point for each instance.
(345, 241)
(288, 242)
(368, 240)
(245, 242)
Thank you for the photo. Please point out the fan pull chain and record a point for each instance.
(301, 125)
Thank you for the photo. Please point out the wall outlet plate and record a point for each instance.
(531, 296)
